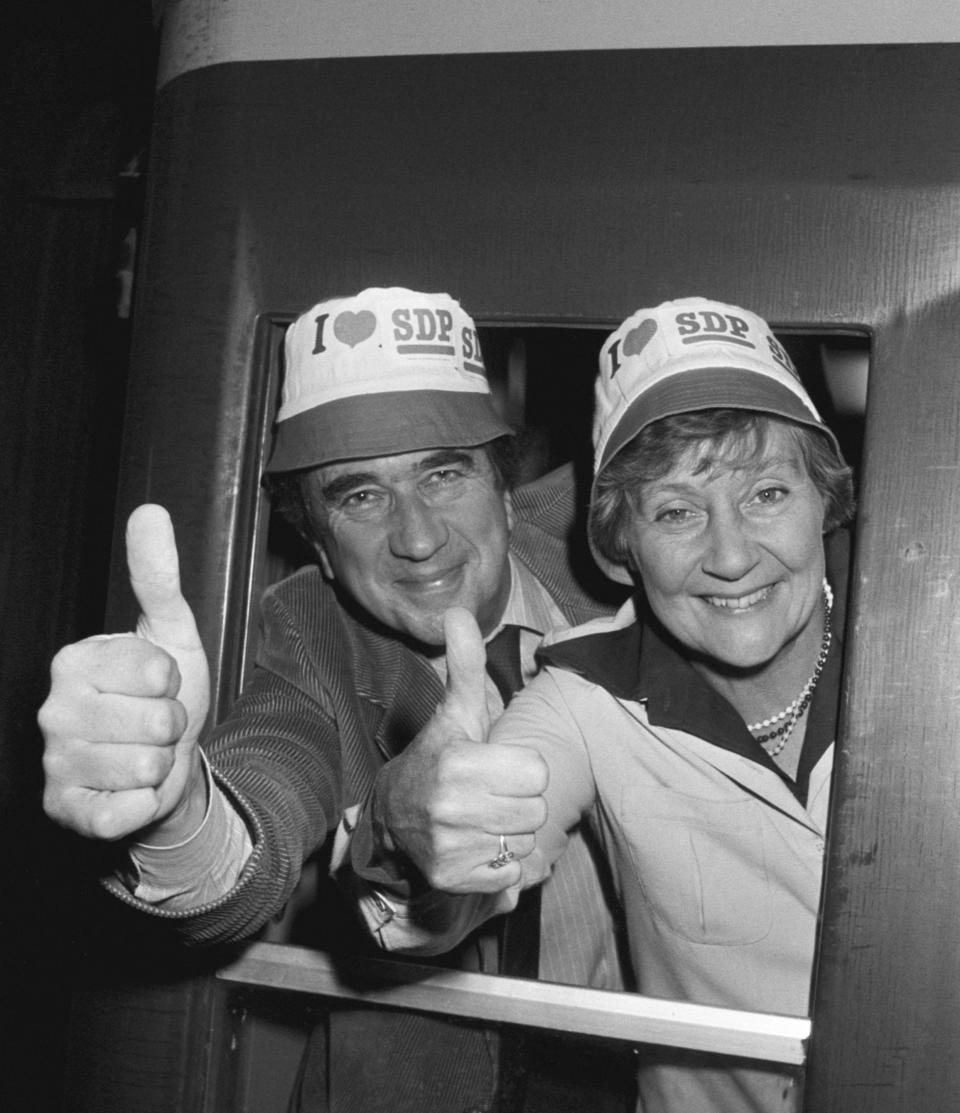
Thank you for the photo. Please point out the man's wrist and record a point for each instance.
(201, 868)
(188, 818)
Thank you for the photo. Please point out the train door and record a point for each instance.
(817, 185)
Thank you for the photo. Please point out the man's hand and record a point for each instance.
(124, 712)
(446, 800)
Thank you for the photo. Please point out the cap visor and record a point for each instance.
(387, 424)
(709, 388)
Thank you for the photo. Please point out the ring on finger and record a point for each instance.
(506, 855)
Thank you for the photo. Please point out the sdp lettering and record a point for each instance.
(422, 326)
(712, 324)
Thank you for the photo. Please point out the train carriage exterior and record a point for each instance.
(558, 186)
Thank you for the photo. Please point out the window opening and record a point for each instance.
(542, 379)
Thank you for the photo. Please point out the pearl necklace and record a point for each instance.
(792, 712)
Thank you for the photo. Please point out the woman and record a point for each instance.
(697, 726)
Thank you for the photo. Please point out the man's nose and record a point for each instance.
(417, 530)
(731, 552)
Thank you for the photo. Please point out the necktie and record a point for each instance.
(520, 934)
(503, 662)
(519, 931)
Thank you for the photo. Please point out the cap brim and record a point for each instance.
(616, 572)
(709, 388)
(386, 424)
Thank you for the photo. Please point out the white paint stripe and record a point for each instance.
(206, 32)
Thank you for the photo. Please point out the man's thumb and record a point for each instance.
(466, 671)
(166, 618)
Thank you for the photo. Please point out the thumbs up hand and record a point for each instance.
(166, 620)
(124, 712)
(446, 800)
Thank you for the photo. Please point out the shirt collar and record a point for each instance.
(529, 604)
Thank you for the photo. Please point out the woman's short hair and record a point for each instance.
(734, 437)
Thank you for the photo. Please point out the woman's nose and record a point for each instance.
(417, 530)
(731, 552)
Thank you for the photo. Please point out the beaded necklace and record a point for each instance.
(790, 715)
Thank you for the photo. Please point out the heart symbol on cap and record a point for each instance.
(351, 328)
(638, 338)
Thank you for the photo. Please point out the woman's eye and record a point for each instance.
(770, 496)
(674, 515)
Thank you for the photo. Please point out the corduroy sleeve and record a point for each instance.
(277, 757)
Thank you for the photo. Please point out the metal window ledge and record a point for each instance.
(622, 1016)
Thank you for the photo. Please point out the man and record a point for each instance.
(388, 458)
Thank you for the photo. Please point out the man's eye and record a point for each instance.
(443, 477)
(358, 500)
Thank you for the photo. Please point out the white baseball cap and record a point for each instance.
(686, 355)
(386, 371)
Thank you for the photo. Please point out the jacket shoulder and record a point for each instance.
(303, 616)
(550, 537)
(551, 503)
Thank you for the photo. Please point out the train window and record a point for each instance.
(542, 376)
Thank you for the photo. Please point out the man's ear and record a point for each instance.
(508, 505)
(325, 565)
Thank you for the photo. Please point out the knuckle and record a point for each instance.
(440, 876)
(443, 809)
(145, 768)
(160, 671)
(53, 804)
(66, 661)
(449, 764)
(159, 765)
(61, 766)
(163, 721)
(48, 717)
(103, 824)
(436, 879)
(53, 765)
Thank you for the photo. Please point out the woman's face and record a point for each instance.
(731, 557)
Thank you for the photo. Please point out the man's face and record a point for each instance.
(409, 536)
